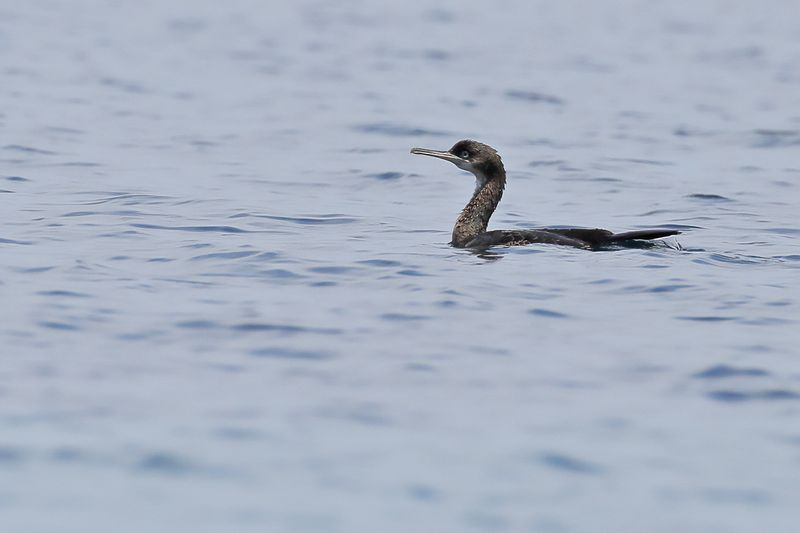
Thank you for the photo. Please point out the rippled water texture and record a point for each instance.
(229, 303)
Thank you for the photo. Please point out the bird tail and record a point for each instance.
(643, 234)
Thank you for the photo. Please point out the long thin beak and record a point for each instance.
(447, 156)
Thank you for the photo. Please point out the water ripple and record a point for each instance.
(12, 241)
(775, 138)
(402, 317)
(283, 328)
(384, 262)
(131, 199)
(129, 86)
(290, 353)
(224, 255)
(59, 326)
(639, 161)
(725, 371)
(734, 259)
(734, 396)
(333, 270)
(570, 464)
(669, 288)
(396, 130)
(311, 220)
(547, 313)
(202, 229)
(534, 97)
(64, 293)
(709, 197)
(28, 149)
(11, 455)
(175, 465)
(784, 231)
(707, 318)
(386, 176)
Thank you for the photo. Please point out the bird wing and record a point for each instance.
(590, 236)
(600, 237)
(518, 237)
(644, 234)
(575, 237)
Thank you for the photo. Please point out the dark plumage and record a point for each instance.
(470, 229)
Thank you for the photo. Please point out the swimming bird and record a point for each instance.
(485, 164)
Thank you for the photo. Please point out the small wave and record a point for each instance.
(380, 263)
(423, 493)
(172, 464)
(333, 270)
(534, 97)
(131, 199)
(436, 54)
(198, 324)
(725, 371)
(11, 455)
(33, 270)
(28, 149)
(289, 353)
(62, 326)
(13, 241)
(80, 214)
(546, 163)
(141, 335)
(639, 161)
(711, 197)
(386, 176)
(411, 272)
(692, 132)
(735, 396)
(282, 328)
(202, 229)
(734, 259)
(669, 288)
(280, 273)
(570, 464)
(397, 130)
(547, 313)
(367, 413)
(223, 255)
(707, 318)
(128, 86)
(784, 231)
(319, 220)
(402, 317)
(775, 138)
(63, 293)
(83, 164)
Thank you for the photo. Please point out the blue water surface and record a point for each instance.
(229, 302)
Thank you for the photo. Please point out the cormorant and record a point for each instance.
(470, 230)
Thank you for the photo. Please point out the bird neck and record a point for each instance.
(474, 218)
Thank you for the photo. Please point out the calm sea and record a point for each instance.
(229, 303)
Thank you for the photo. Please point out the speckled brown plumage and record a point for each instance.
(476, 214)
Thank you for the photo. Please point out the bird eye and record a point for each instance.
(464, 155)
